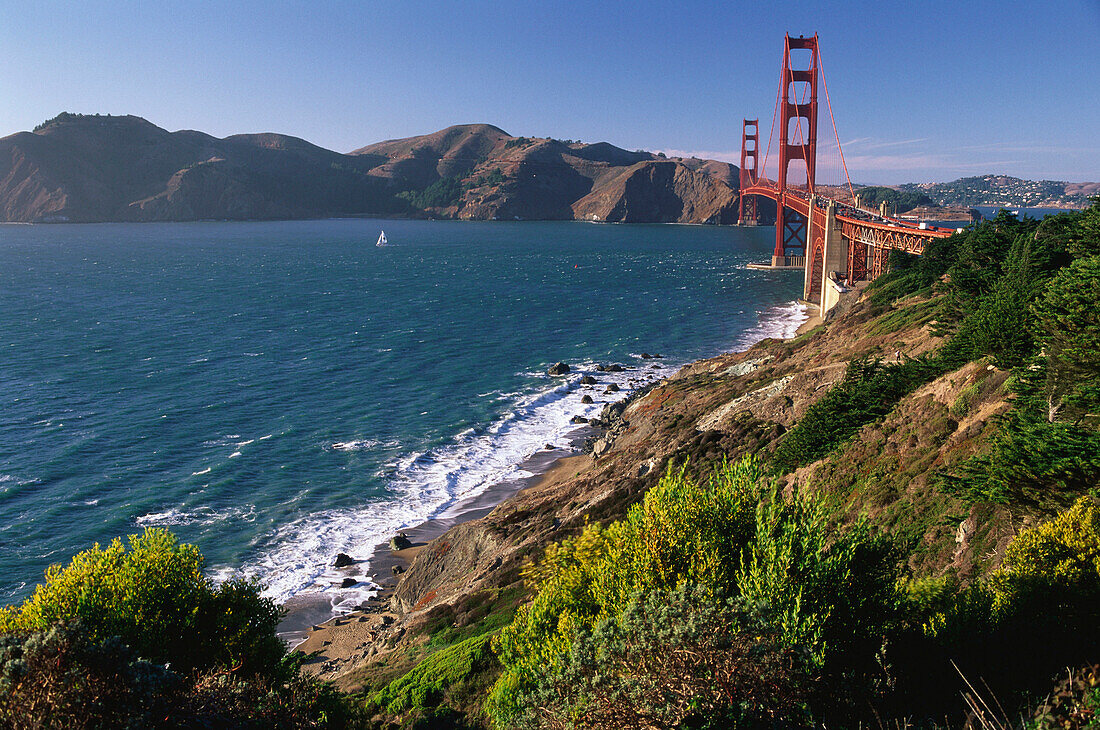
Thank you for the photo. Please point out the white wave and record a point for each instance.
(355, 445)
(780, 322)
(432, 483)
(234, 455)
(203, 516)
(200, 473)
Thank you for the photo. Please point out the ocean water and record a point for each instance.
(279, 392)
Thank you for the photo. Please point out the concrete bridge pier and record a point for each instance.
(828, 262)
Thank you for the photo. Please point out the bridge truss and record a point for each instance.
(810, 227)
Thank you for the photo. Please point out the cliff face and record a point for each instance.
(92, 168)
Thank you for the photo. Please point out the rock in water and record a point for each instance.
(586, 399)
(343, 560)
(614, 368)
(348, 582)
(588, 380)
(558, 368)
(612, 388)
(400, 541)
(578, 419)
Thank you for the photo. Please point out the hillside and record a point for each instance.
(946, 411)
(1003, 190)
(78, 168)
(479, 172)
(88, 168)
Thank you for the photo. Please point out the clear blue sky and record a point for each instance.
(921, 90)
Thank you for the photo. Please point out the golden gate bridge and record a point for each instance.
(821, 229)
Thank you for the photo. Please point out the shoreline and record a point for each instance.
(310, 613)
(311, 625)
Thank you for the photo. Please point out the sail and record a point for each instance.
(381, 239)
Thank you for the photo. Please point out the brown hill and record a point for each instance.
(82, 168)
(96, 168)
(493, 175)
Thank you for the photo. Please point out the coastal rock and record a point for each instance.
(612, 388)
(600, 368)
(348, 582)
(614, 368)
(586, 399)
(400, 541)
(397, 570)
(599, 448)
(558, 368)
(343, 560)
(588, 380)
(578, 419)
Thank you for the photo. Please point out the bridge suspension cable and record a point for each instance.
(829, 103)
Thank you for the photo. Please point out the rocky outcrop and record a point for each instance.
(664, 191)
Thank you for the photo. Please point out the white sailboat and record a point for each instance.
(381, 239)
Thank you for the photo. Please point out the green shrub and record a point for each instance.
(1038, 613)
(63, 679)
(153, 596)
(444, 672)
(1031, 460)
(674, 658)
(1056, 563)
(830, 591)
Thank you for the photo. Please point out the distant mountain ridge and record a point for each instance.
(91, 168)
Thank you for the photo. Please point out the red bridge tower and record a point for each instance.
(797, 141)
(750, 146)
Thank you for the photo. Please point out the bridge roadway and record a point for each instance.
(845, 244)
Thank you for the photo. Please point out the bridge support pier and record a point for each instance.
(828, 265)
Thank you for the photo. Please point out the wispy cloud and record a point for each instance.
(870, 143)
(733, 157)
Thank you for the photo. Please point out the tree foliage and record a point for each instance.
(152, 595)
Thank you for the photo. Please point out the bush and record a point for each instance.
(1073, 705)
(1054, 567)
(442, 673)
(1037, 614)
(674, 658)
(64, 679)
(154, 598)
(61, 678)
(830, 591)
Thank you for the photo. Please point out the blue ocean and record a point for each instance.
(279, 392)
